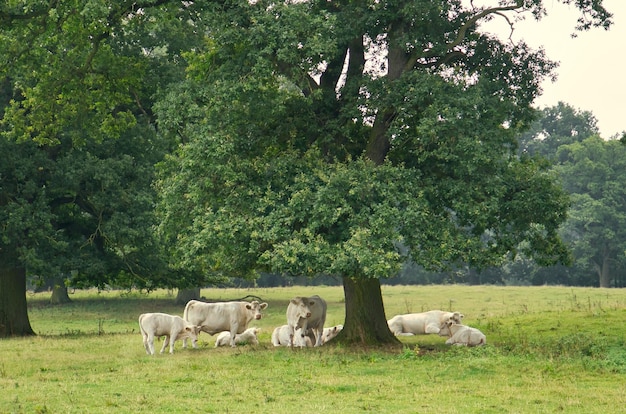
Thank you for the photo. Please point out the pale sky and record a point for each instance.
(592, 71)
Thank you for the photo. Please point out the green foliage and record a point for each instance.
(556, 126)
(291, 166)
(77, 84)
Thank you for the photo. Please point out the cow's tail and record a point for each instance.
(141, 330)
(186, 312)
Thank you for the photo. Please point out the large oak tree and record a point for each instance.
(343, 138)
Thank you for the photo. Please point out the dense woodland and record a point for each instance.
(178, 144)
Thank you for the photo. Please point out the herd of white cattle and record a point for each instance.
(305, 325)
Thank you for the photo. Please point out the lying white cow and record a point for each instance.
(330, 333)
(161, 324)
(249, 336)
(306, 313)
(421, 323)
(222, 316)
(280, 337)
(462, 335)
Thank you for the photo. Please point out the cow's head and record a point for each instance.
(255, 307)
(252, 337)
(303, 306)
(457, 317)
(191, 332)
(444, 329)
(331, 333)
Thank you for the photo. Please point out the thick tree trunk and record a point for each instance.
(366, 323)
(13, 311)
(59, 292)
(185, 295)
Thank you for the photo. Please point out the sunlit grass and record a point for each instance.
(550, 349)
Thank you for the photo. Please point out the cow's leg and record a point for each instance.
(151, 343)
(172, 341)
(144, 337)
(233, 332)
(318, 336)
(303, 332)
(432, 328)
(291, 331)
(165, 343)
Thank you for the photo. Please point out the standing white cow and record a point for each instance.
(462, 335)
(161, 324)
(306, 313)
(249, 336)
(222, 316)
(280, 337)
(421, 323)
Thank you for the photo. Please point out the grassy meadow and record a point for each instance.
(550, 350)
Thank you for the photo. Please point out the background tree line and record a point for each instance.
(162, 143)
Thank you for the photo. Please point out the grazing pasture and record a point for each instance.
(549, 349)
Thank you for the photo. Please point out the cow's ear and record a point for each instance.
(294, 301)
(248, 306)
(263, 305)
(311, 303)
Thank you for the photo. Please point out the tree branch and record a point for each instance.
(354, 73)
(462, 32)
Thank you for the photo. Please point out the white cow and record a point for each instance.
(249, 336)
(306, 313)
(330, 333)
(462, 335)
(222, 316)
(280, 337)
(421, 323)
(161, 324)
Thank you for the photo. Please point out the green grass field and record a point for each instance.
(550, 350)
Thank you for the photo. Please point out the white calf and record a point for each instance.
(249, 336)
(462, 335)
(330, 333)
(280, 337)
(162, 324)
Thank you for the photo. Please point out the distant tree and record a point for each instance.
(555, 126)
(594, 173)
